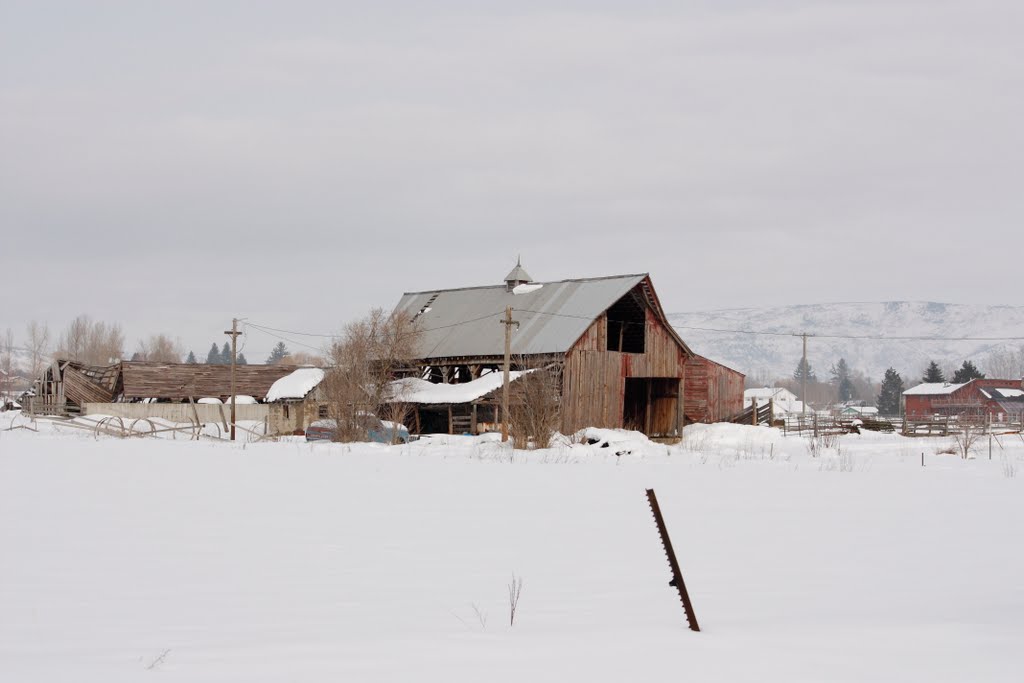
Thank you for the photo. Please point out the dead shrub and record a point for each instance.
(535, 408)
(966, 440)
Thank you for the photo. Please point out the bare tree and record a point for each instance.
(92, 343)
(371, 353)
(6, 364)
(37, 340)
(1005, 363)
(160, 348)
(535, 407)
(304, 358)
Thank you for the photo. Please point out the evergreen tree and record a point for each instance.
(804, 371)
(136, 356)
(241, 359)
(191, 360)
(892, 392)
(213, 357)
(966, 373)
(933, 374)
(842, 381)
(278, 354)
(225, 354)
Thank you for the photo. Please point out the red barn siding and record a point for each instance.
(714, 392)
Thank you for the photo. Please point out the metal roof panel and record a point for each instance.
(466, 322)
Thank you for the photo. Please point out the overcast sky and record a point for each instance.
(172, 165)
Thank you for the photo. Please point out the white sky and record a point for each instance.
(171, 165)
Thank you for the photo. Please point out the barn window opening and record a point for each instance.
(321, 411)
(627, 325)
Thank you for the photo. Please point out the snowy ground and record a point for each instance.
(145, 559)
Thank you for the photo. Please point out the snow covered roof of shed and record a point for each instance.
(552, 317)
(295, 385)
(932, 389)
(416, 390)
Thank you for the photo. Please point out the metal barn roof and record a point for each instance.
(552, 315)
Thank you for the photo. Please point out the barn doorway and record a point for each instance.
(651, 405)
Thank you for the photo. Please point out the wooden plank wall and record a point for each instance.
(593, 381)
(714, 392)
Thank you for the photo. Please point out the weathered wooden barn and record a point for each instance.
(621, 362)
(66, 386)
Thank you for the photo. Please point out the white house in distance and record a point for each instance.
(859, 411)
(784, 401)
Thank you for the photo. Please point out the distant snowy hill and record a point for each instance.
(777, 356)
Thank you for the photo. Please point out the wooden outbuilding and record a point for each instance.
(714, 392)
(296, 401)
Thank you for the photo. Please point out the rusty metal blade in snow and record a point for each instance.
(677, 576)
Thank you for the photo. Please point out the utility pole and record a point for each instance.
(233, 333)
(508, 322)
(803, 379)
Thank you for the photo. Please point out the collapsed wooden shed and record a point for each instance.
(66, 386)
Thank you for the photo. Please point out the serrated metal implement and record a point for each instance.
(677, 576)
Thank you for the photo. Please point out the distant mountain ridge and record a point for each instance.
(770, 355)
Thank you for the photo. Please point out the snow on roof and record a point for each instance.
(767, 392)
(295, 385)
(1001, 392)
(416, 390)
(527, 288)
(932, 389)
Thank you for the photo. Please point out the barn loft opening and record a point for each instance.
(627, 325)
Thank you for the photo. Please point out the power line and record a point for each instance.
(766, 333)
(847, 336)
(277, 336)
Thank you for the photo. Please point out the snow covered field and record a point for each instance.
(144, 559)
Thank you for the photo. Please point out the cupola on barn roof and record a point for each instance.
(518, 276)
